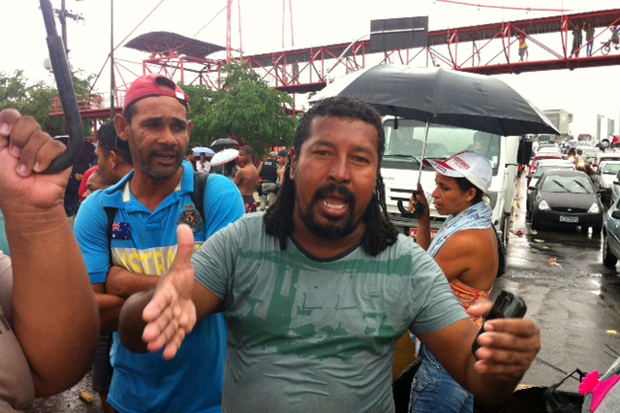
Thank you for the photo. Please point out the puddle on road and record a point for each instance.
(597, 285)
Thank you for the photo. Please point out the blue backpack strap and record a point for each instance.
(198, 196)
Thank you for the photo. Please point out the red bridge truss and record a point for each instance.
(487, 49)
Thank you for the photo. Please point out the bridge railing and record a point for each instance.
(87, 102)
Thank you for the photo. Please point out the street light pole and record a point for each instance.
(112, 83)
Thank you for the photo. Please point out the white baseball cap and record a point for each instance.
(474, 167)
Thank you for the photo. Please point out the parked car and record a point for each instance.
(591, 154)
(604, 178)
(546, 165)
(542, 150)
(615, 188)
(604, 156)
(611, 235)
(537, 158)
(564, 198)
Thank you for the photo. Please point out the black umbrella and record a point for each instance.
(443, 96)
(224, 143)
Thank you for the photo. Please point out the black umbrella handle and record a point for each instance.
(62, 73)
(419, 208)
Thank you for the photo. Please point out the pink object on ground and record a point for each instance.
(591, 384)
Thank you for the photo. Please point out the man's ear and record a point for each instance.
(113, 157)
(293, 162)
(190, 127)
(122, 127)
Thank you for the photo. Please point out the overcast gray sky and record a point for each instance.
(584, 92)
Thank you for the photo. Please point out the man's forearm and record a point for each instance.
(490, 390)
(109, 311)
(124, 283)
(55, 316)
(131, 325)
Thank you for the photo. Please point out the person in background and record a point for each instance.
(268, 171)
(282, 163)
(230, 169)
(80, 166)
(402, 143)
(95, 183)
(466, 248)
(246, 178)
(102, 369)
(114, 157)
(577, 39)
(319, 289)
(203, 165)
(191, 158)
(114, 163)
(589, 38)
(615, 35)
(523, 54)
(48, 315)
(486, 144)
(84, 181)
(127, 234)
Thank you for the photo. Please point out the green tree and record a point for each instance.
(245, 108)
(35, 100)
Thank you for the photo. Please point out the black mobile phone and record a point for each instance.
(507, 305)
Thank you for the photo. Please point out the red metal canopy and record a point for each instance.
(166, 42)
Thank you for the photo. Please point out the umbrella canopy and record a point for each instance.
(443, 96)
(203, 149)
(224, 143)
(224, 156)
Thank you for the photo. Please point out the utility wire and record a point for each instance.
(489, 6)
(123, 41)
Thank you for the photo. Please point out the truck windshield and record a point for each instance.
(407, 141)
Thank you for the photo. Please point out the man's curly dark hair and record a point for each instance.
(380, 233)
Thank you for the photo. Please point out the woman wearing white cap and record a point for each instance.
(466, 249)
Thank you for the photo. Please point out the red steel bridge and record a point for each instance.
(486, 49)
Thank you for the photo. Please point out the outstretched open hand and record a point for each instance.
(171, 313)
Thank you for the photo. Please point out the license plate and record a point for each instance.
(564, 218)
(413, 233)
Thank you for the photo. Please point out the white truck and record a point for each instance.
(404, 139)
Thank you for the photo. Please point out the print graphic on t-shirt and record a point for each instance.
(298, 312)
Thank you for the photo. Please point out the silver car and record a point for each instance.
(611, 235)
(604, 179)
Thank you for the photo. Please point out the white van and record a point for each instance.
(404, 139)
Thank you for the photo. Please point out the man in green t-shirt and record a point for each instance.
(318, 290)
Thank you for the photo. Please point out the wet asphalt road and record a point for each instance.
(68, 401)
(569, 292)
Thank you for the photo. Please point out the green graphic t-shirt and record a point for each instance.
(309, 335)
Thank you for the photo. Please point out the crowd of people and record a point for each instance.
(258, 180)
(200, 306)
(577, 30)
